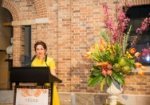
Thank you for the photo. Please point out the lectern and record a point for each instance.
(39, 75)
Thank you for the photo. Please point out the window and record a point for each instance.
(26, 45)
(137, 14)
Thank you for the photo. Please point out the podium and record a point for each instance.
(39, 75)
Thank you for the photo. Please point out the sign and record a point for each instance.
(31, 96)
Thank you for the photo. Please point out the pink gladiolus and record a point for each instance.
(121, 16)
(139, 31)
(109, 24)
(116, 27)
(144, 26)
(145, 52)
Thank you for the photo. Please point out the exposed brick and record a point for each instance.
(73, 26)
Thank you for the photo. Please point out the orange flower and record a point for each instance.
(137, 54)
(141, 72)
(104, 72)
(109, 72)
(103, 64)
(132, 50)
(138, 65)
(102, 44)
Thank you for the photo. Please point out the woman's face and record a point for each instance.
(40, 51)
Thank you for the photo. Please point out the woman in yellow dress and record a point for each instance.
(41, 59)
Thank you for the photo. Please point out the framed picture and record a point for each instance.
(32, 96)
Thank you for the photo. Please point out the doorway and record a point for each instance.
(6, 34)
(142, 43)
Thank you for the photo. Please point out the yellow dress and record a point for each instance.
(50, 63)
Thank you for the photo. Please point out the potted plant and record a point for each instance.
(112, 60)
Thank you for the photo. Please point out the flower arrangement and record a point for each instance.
(112, 60)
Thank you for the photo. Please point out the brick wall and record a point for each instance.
(69, 27)
(137, 84)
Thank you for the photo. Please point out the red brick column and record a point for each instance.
(17, 52)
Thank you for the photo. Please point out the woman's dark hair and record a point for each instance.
(40, 43)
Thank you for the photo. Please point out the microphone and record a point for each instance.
(32, 59)
(46, 60)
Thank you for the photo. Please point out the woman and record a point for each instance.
(41, 59)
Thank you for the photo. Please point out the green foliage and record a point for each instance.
(125, 39)
(95, 77)
(112, 63)
(112, 60)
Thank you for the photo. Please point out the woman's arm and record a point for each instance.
(53, 72)
(52, 66)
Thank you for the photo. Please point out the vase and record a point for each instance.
(114, 90)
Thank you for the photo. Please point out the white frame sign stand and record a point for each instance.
(32, 96)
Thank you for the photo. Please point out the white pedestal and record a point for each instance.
(114, 91)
